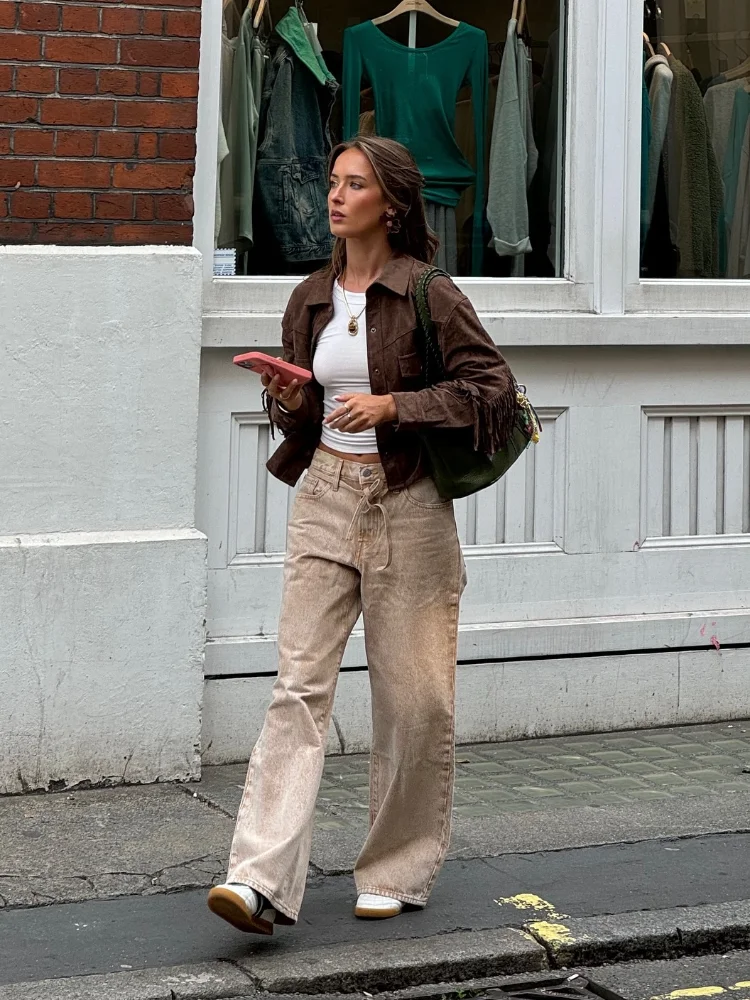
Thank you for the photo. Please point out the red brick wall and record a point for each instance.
(97, 121)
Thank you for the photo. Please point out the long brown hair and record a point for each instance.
(401, 182)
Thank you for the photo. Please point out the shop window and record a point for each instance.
(477, 94)
(695, 155)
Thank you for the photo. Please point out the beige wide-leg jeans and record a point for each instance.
(354, 545)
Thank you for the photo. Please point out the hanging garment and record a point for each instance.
(658, 77)
(442, 221)
(646, 130)
(735, 181)
(225, 196)
(719, 105)
(738, 262)
(415, 93)
(222, 152)
(524, 65)
(543, 196)
(694, 188)
(248, 70)
(507, 203)
(292, 162)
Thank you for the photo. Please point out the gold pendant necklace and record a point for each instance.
(353, 326)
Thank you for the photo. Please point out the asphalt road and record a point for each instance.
(721, 976)
(159, 930)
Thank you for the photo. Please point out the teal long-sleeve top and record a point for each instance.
(415, 93)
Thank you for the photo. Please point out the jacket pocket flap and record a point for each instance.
(410, 365)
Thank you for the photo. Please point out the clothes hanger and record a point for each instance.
(259, 13)
(521, 18)
(415, 7)
(739, 71)
(648, 45)
(664, 48)
(514, 13)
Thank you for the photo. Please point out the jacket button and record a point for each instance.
(373, 329)
(377, 371)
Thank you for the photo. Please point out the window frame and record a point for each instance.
(244, 310)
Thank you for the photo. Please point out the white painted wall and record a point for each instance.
(599, 569)
(102, 573)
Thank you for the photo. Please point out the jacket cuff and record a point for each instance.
(288, 420)
(408, 410)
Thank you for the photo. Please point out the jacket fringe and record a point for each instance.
(494, 413)
(267, 407)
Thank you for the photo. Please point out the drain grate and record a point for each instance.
(568, 988)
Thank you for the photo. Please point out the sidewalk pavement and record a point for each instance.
(528, 886)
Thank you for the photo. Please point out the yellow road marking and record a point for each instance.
(702, 991)
(552, 934)
(528, 901)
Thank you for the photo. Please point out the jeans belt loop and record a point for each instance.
(337, 473)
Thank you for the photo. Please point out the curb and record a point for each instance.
(207, 981)
(645, 934)
(379, 966)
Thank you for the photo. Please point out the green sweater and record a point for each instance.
(415, 93)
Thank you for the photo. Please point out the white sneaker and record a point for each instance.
(242, 907)
(377, 907)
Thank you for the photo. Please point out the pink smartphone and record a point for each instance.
(265, 364)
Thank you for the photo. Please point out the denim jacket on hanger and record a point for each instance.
(292, 164)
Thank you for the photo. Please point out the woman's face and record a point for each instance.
(356, 203)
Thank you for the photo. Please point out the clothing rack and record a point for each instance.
(715, 36)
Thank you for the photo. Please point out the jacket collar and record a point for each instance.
(292, 30)
(395, 276)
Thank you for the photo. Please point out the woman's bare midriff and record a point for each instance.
(369, 459)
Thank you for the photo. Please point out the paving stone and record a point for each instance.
(683, 764)
(653, 753)
(704, 774)
(689, 748)
(640, 767)
(715, 760)
(622, 783)
(664, 739)
(606, 799)
(613, 756)
(649, 795)
(485, 767)
(596, 771)
(556, 774)
(580, 787)
(479, 810)
(667, 778)
(532, 791)
(731, 746)
(626, 743)
(496, 795)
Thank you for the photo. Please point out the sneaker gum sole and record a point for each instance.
(229, 907)
(377, 912)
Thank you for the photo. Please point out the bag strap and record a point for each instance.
(433, 360)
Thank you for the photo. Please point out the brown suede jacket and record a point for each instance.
(479, 392)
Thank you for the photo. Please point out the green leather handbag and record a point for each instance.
(459, 470)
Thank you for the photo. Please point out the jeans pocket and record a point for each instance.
(313, 487)
(424, 494)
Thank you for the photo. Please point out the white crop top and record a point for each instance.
(340, 365)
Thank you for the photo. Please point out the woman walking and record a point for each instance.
(368, 533)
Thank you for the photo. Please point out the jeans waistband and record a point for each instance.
(359, 474)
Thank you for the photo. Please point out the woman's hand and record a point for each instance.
(360, 411)
(289, 397)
